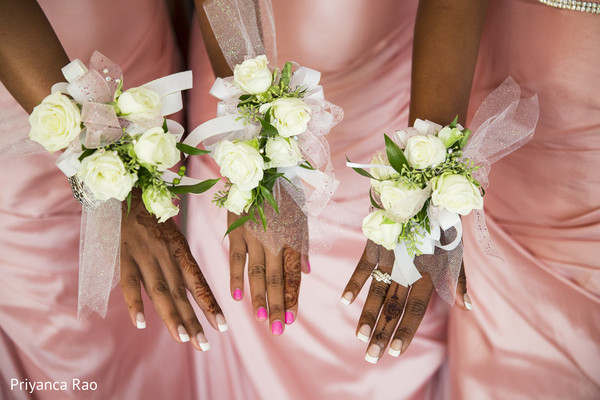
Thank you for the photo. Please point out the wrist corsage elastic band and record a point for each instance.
(113, 141)
(429, 176)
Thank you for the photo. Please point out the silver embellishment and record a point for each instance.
(82, 194)
(381, 276)
(575, 5)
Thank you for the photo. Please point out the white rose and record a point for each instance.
(238, 201)
(381, 173)
(449, 136)
(241, 163)
(55, 122)
(105, 175)
(157, 148)
(139, 105)
(381, 230)
(253, 75)
(283, 152)
(159, 202)
(401, 201)
(424, 151)
(291, 115)
(456, 194)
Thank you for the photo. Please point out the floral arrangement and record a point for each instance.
(252, 166)
(113, 140)
(420, 185)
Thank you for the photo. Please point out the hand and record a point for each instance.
(392, 311)
(274, 278)
(157, 255)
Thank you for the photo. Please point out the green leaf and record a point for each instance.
(191, 150)
(307, 165)
(86, 153)
(373, 202)
(269, 129)
(261, 212)
(395, 154)
(245, 97)
(361, 171)
(128, 200)
(463, 141)
(269, 197)
(286, 74)
(197, 188)
(236, 224)
(454, 122)
(164, 125)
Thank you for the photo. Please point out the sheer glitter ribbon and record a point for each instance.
(503, 123)
(92, 87)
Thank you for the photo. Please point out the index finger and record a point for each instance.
(362, 272)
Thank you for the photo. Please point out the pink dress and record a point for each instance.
(41, 339)
(534, 331)
(364, 54)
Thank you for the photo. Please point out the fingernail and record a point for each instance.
(308, 265)
(183, 335)
(468, 303)
(237, 294)
(277, 328)
(261, 313)
(347, 298)
(203, 341)
(363, 333)
(372, 355)
(289, 317)
(395, 348)
(140, 321)
(221, 323)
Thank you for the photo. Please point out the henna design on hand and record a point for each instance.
(292, 276)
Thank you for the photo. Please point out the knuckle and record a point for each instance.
(382, 336)
(405, 331)
(193, 323)
(393, 308)
(132, 280)
(276, 309)
(379, 290)
(275, 280)
(416, 307)
(179, 293)
(369, 317)
(256, 270)
(259, 299)
(160, 287)
(364, 267)
(238, 257)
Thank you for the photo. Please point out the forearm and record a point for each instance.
(217, 60)
(31, 56)
(447, 35)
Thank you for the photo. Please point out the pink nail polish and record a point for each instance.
(289, 317)
(261, 313)
(308, 265)
(277, 328)
(237, 294)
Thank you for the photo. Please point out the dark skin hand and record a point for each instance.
(274, 279)
(157, 255)
(447, 30)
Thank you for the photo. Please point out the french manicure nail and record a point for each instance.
(237, 294)
(372, 355)
(203, 341)
(261, 313)
(140, 321)
(289, 317)
(221, 323)
(363, 333)
(277, 328)
(468, 303)
(347, 298)
(395, 348)
(183, 335)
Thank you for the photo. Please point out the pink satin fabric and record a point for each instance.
(41, 338)
(363, 52)
(535, 326)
